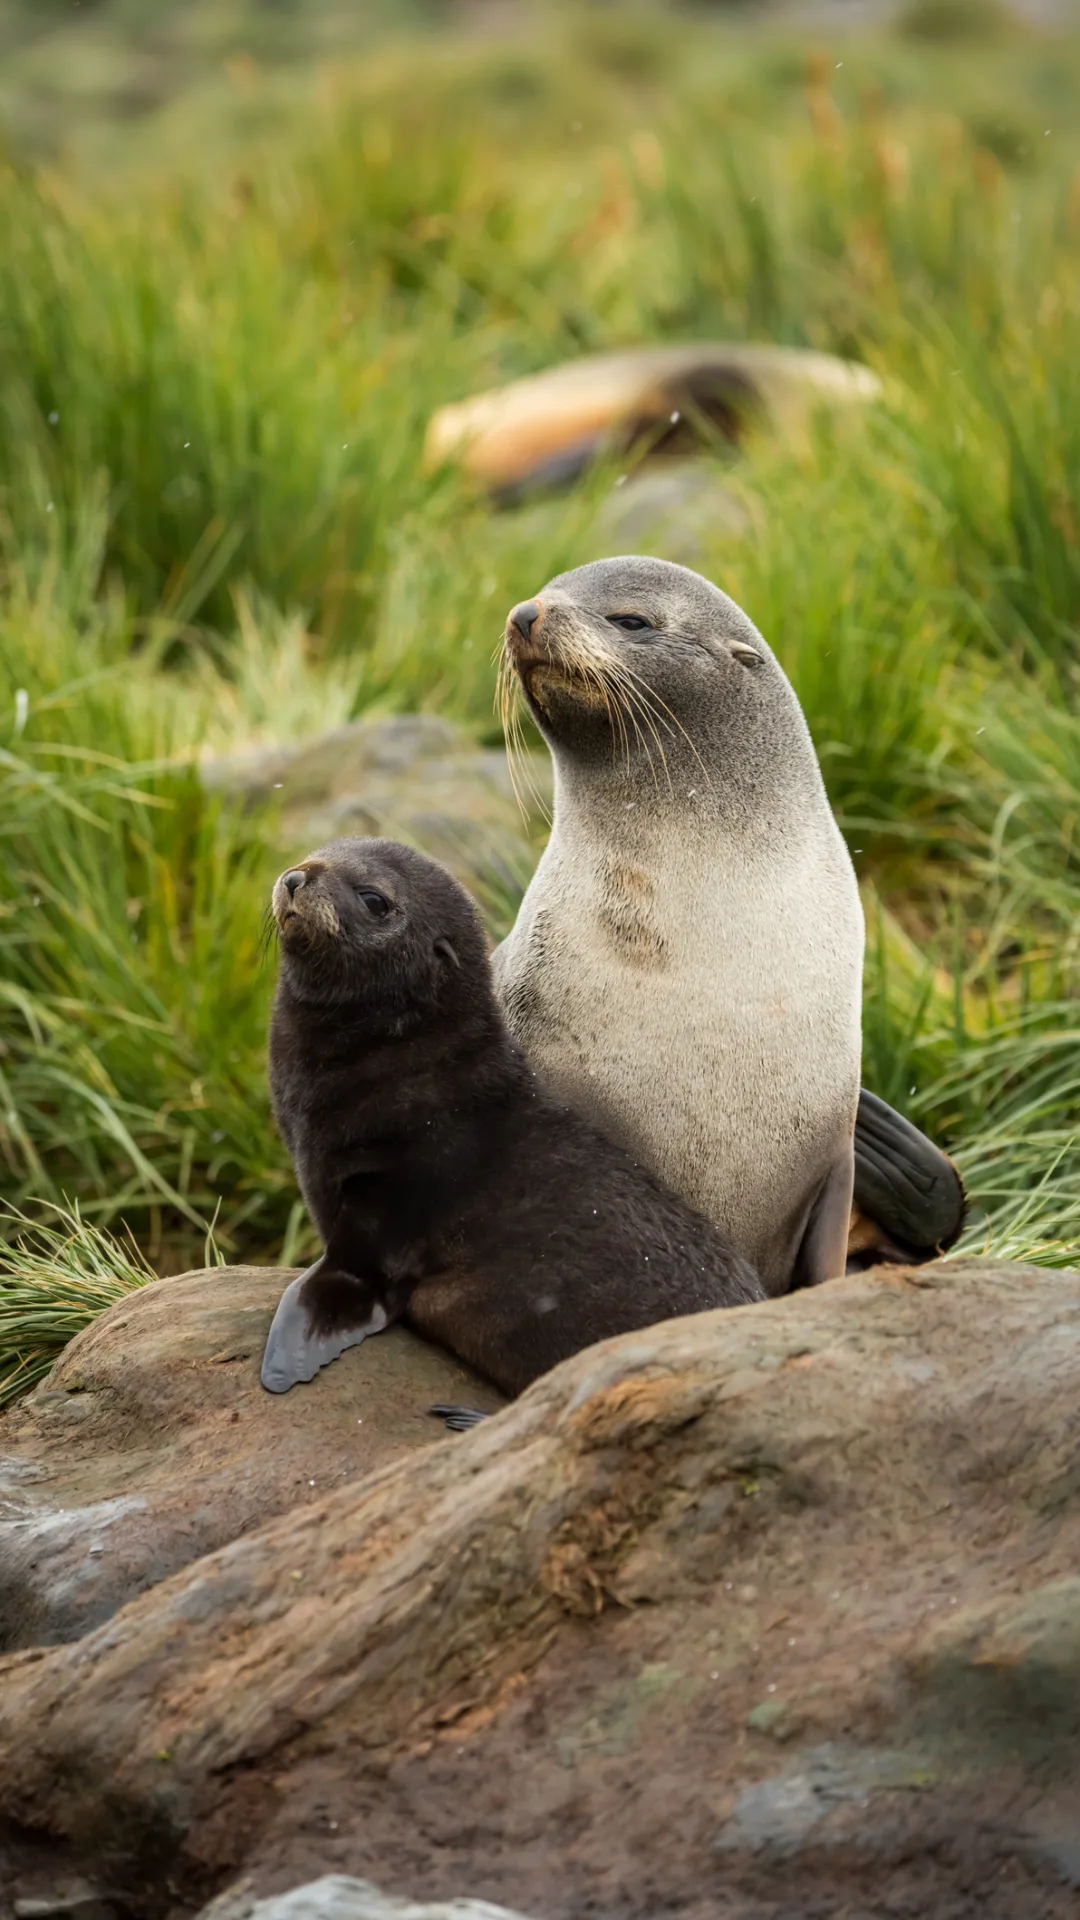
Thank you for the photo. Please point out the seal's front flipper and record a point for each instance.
(905, 1184)
(318, 1316)
(459, 1419)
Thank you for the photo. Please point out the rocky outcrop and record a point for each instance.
(410, 777)
(151, 1443)
(761, 1612)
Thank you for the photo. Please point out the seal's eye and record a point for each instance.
(374, 902)
(629, 622)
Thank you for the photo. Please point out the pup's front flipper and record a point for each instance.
(318, 1316)
(459, 1419)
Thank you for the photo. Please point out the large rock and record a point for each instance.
(409, 777)
(764, 1612)
(151, 1443)
(682, 510)
(679, 512)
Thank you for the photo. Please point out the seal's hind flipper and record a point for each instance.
(459, 1419)
(904, 1183)
(308, 1331)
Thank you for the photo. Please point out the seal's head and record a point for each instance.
(374, 923)
(642, 662)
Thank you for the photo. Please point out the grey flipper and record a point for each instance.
(459, 1419)
(904, 1183)
(295, 1351)
(822, 1251)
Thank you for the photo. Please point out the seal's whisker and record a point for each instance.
(650, 694)
(268, 933)
(594, 677)
(591, 672)
(670, 722)
(638, 709)
(525, 787)
(636, 697)
(503, 704)
(508, 709)
(612, 665)
(597, 667)
(625, 703)
(619, 712)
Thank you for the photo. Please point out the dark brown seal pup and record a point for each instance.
(445, 1181)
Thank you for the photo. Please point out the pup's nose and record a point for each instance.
(524, 617)
(292, 880)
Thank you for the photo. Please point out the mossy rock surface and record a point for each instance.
(152, 1443)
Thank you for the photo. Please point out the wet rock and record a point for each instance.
(549, 427)
(410, 777)
(151, 1442)
(530, 1662)
(339, 1897)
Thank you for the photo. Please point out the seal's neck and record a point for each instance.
(658, 807)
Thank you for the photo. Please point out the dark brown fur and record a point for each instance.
(447, 1184)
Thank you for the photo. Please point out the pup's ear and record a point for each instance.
(445, 951)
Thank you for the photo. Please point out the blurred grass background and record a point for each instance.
(233, 290)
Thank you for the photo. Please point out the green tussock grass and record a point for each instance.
(218, 354)
(54, 1280)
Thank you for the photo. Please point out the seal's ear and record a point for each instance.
(445, 951)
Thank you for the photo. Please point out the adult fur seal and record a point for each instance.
(686, 964)
(446, 1183)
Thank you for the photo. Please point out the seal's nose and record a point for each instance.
(524, 617)
(290, 881)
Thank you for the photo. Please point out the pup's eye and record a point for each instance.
(374, 902)
(629, 622)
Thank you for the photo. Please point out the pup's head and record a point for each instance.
(372, 922)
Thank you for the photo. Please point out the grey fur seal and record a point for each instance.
(448, 1186)
(686, 965)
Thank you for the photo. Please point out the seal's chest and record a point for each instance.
(629, 919)
(652, 921)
